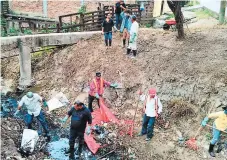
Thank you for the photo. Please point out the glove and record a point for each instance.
(88, 130)
(131, 41)
(204, 122)
(45, 103)
(64, 119)
(15, 114)
(114, 85)
(97, 95)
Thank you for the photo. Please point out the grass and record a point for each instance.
(43, 50)
(204, 13)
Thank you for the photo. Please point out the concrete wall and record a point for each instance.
(213, 5)
(27, 43)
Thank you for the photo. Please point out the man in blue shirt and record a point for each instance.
(119, 7)
(80, 116)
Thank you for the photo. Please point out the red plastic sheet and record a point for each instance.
(103, 114)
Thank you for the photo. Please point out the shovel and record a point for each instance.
(120, 85)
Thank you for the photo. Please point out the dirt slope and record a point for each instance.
(189, 74)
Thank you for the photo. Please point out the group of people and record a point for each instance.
(81, 115)
(125, 23)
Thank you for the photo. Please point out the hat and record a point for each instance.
(98, 74)
(152, 91)
(29, 94)
(78, 103)
(133, 17)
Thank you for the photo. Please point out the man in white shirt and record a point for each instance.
(152, 109)
(133, 37)
(32, 101)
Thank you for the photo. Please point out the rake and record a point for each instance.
(191, 143)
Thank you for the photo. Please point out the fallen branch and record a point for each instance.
(106, 154)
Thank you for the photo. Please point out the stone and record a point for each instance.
(219, 85)
(218, 103)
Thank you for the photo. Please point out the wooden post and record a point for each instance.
(71, 22)
(60, 22)
(112, 11)
(82, 27)
(162, 6)
(58, 28)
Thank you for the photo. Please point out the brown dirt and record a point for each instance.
(189, 73)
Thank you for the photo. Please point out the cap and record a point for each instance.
(78, 103)
(152, 91)
(98, 74)
(29, 94)
(133, 17)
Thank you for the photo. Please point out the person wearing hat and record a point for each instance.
(32, 101)
(133, 37)
(80, 116)
(152, 109)
(97, 89)
(219, 125)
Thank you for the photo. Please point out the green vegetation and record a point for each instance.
(192, 3)
(82, 9)
(43, 50)
(148, 25)
(204, 13)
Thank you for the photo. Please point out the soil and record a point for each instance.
(190, 76)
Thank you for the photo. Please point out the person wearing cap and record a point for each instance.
(133, 37)
(152, 109)
(80, 116)
(219, 125)
(32, 101)
(97, 89)
(125, 26)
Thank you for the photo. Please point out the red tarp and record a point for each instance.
(103, 114)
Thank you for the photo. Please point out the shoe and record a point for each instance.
(69, 151)
(211, 150)
(133, 57)
(140, 134)
(148, 139)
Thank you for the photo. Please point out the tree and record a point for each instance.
(175, 7)
(222, 12)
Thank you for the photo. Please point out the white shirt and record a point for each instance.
(32, 104)
(134, 28)
(150, 106)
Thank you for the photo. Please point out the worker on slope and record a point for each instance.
(80, 116)
(107, 26)
(125, 26)
(32, 101)
(97, 89)
(152, 109)
(133, 37)
(219, 125)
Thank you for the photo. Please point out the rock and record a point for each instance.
(218, 103)
(219, 85)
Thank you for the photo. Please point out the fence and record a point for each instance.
(92, 21)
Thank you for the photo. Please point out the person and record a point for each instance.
(119, 7)
(125, 26)
(32, 101)
(219, 125)
(133, 37)
(152, 109)
(80, 116)
(107, 30)
(97, 89)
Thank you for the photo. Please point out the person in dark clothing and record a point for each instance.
(80, 116)
(107, 30)
(119, 7)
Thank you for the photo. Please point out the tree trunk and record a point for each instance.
(176, 9)
(222, 12)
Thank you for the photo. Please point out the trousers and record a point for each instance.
(41, 119)
(148, 126)
(90, 100)
(73, 135)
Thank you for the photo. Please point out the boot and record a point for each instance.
(106, 42)
(219, 148)
(124, 41)
(211, 150)
(110, 42)
(128, 51)
(70, 151)
(134, 53)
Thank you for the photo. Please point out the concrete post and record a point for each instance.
(25, 64)
(45, 8)
(222, 11)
